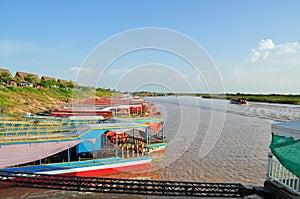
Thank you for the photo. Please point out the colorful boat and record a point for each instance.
(107, 108)
(80, 112)
(82, 151)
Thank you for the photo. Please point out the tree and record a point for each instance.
(70, 85)
(47, 83)
(29, 78)
(18, 81)
(5, 77)
(62, 86)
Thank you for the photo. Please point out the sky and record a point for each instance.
(250, 46)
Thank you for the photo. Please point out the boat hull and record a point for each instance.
(89, 168)
(90, 171)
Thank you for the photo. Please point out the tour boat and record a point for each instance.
(79, 150)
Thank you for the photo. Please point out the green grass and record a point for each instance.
(16, 100)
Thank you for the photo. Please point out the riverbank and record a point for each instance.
(16, 101)
(268, 98)
(271, 98)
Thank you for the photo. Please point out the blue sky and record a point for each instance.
(254, 44)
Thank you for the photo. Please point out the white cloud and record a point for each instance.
(271, 68)
(267, 51)
(83, 74)
(265, 55)
(81, 69)
(290, 47)
(266, 44)
(255, 55)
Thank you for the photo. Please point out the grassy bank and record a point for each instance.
(18, 101)
(272, 98)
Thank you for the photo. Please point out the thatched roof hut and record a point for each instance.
(48, 78)
(2, 70)
(62, 81)
(24, 75)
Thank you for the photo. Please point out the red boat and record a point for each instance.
(80, 112)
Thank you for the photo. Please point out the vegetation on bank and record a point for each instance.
(20, 100)
(270, 98)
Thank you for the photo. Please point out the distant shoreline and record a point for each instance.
(268, 98)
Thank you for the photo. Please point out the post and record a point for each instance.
(269, 165)
(131, 136)
(162, 132)
(147, 136)
(94, 150)
(116, 144)
(68, 155)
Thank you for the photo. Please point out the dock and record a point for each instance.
(130, 186)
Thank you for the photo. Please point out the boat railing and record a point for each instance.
(278, 173)
(27, 134)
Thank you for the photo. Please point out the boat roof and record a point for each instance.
(117, 125)
(122, 106)
(93, 117)
(287, 129)
(62, 135)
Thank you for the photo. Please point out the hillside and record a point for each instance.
(19, 101)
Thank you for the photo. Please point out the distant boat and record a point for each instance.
(239, 101)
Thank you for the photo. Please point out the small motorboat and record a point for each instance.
(239, 101)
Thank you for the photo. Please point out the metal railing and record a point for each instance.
(278, 173)
(128, 186)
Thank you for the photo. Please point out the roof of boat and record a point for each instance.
(287, 129)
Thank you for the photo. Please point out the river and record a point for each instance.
(208, 141)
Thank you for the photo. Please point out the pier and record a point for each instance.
(130, 186)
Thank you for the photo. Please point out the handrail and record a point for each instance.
(278, 173)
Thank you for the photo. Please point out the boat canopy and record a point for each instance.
(287, 129)
(24, 153)
(286, 145)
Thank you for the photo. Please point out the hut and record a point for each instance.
(45, 78)
(6, 76)
(49, 81)
(27, 79)
(2, 70)
(62, 81)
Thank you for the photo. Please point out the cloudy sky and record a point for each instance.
(204, 46)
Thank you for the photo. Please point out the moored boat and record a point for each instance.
(80, 151)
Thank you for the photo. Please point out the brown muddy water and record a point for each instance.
(208, 141)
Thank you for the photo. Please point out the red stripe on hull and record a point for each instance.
(107, 171)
